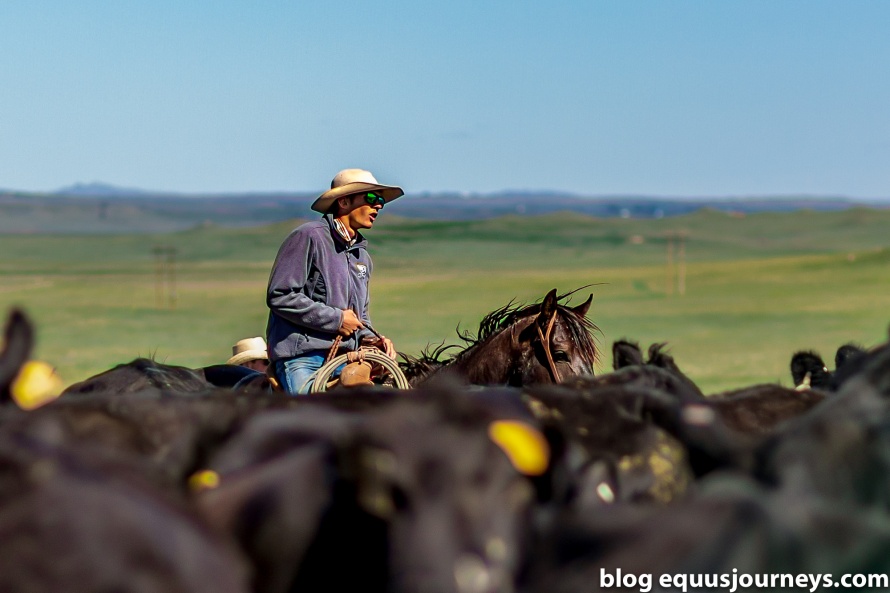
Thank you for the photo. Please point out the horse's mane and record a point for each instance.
(580, 328)
(429, 360)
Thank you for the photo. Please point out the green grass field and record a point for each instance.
(758, 288)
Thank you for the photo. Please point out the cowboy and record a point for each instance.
(318, 287)
(250, 353)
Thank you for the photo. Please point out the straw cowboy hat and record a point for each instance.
(354, 181)
(248, 349)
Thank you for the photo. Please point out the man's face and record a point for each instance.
(362, 209)
(257, 365)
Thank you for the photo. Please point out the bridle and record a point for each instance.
(545, 344)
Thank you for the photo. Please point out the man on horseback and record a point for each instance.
(318, 287)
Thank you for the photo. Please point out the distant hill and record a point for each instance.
(98, 189)
(103, 208)
(458, 207)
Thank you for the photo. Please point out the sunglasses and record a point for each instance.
(373, 198)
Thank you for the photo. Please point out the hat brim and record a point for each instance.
(247, 356)
(324, 202)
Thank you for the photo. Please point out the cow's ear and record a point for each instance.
(18, 339)
(548, 309)
(626, 353)
(525, 446)
(584, 307)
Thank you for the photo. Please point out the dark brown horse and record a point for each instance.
(545, 342)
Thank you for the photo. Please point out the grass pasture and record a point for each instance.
(758, 287)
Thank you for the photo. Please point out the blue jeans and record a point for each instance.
(294, 374)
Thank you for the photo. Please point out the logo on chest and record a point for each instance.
(362, 270)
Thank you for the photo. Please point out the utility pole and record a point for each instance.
(669, 270)
(157, 250)
(681, 273)
(675, 276)
(171, 274)
(165, 275)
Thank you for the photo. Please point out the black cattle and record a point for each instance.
(758, 409)
(413, 492)
(818, 507)
(273, 485)
(659, 358)
(761, 409)
(625, 449)
(812, 500)
(226, 375)
(754, 410)
(75, 521)
(841, 449)
(808, 370)
(733, 530)
(167, 434)
(140, 374)
(660, 372)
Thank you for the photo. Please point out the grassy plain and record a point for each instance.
(758, 288)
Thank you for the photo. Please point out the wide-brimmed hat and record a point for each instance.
(354, 181)
(248, 349)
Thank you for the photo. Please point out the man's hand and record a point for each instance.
(386, 345)
(350, 323)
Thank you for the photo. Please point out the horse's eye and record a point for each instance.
(560, 356)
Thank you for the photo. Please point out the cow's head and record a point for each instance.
(452, 486)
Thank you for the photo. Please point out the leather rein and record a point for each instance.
(545, 344)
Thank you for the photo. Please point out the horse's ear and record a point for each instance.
(548, 308)
(584, 307)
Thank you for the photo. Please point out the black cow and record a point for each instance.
(625, 449)
(762, 409)
(731, 531)
(72, 520)
(140, 374)
(660, 372)
(808, 370)
(814, 503)
(167, 434)
(226, 375)
(840, 449)
(412, 492)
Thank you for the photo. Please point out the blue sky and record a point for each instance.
(669, 97)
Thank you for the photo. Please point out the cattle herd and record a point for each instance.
(148, 478)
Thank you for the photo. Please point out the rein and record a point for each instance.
(545, 344)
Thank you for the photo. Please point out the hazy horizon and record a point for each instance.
(99, 189)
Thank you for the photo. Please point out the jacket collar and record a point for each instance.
(359, 241)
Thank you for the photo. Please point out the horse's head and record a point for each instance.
(553, 342)
(541, 343)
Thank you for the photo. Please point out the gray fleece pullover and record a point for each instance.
(316, 275)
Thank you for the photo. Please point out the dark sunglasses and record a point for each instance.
(373, 199)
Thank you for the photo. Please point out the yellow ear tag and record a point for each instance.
(36, 385)
(524, 445)
(203, 480)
